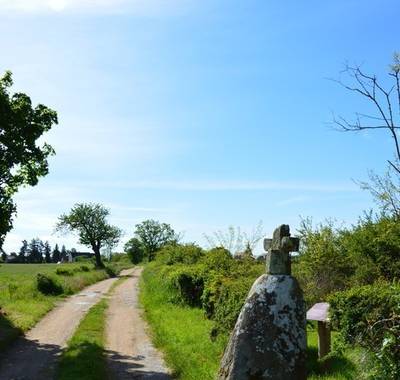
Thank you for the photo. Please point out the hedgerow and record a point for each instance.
(212, 280)
(369, 316)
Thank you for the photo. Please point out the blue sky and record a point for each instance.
(202, 114)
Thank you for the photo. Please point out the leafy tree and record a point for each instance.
(374, 243)
(56, 257)
(22, 161)
(63, 254)
(4, 256)
(154, 235)
(89, 221)
(35, 251)
(323, 266)
(135, 251)
(47, 252)
(23, 252)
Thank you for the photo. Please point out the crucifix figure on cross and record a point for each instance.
(278, 250)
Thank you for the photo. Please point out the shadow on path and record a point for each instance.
(124, 368)
(22, 364)
(8, 332)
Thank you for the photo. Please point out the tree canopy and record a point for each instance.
(89, 221)
(154, 235)
(22, 160)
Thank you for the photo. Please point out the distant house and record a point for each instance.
(12, 258)
(76, 255)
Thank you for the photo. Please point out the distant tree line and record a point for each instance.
(38, 251)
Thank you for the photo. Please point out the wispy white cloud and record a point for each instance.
(229, 185)
(293, 200)
(93, 6)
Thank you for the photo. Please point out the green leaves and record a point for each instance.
(89, 221)
(22, 161)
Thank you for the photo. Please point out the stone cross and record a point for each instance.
(278, 250)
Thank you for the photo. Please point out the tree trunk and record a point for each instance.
(99, 263)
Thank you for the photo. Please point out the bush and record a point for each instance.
(111, 272)
(212, 280)
(219, 260)
(370, 316)
(84, 268)
(135, 250)
(180, 254)
(375, 242)
(189, 282)
(323, 266)
(48, 285)
(65, 272)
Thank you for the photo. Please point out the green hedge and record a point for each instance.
(370, 316)
(212, 280)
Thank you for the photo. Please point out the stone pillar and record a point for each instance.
(269, 338)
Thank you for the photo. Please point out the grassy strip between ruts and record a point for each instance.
(84, 358)
(183, 334)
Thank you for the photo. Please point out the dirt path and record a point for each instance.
(130, 352)
(33, 357)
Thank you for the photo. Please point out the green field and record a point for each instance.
(183, 333)
(22, 304)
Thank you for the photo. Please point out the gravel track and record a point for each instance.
(130, 353)
(34, 356)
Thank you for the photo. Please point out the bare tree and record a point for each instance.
(386, 191)
(385, 100)
(234, 239)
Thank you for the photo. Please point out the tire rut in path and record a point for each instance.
(130, 353)
(34, 356)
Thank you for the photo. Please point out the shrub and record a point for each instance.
(48, 285)
(370, 316)
(111, 272)
(65, 272)
(323, 266)
(180, 254)
(375, 242)
(232, 295)
(135, 250)
(218, 259)
(84, 268)
(189, 282)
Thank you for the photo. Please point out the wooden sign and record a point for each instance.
(319, 312)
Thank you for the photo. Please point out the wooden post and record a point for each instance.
(319, 313)
(324, 339)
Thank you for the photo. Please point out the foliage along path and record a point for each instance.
(35, 355)
(130, 352)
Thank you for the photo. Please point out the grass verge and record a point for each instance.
(183, 334)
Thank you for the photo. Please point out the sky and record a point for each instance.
(201, 114)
